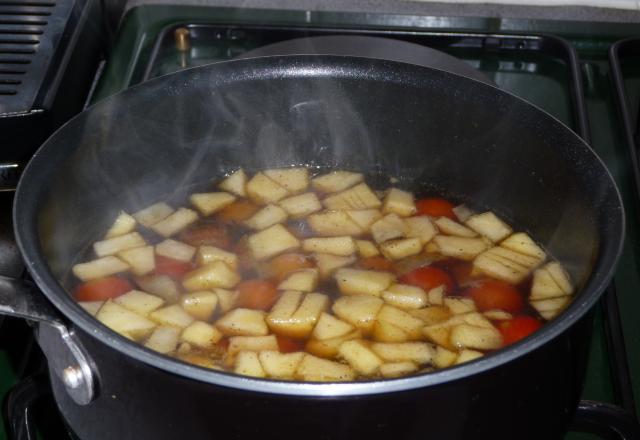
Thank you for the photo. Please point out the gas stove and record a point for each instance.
(569, 69)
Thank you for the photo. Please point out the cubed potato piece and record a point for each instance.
(460, 247)
(544, 286)
(366, 248)
(397, 369)
(401, 248)
(315, 369)
(510, 272)
(329, 327)
(243, 322)
(472, 318)
(463, 212)
(432, 315)
(388, 227)
(114, 245)
(360, 357)
(176, 222)
(399, 202)
(268, 216)
(341, 246)
(295, 314)
(357, 197)
(235, 183)
(500, 253)
(333, 223)
(435, 296)
(124, 321)
(210, 276)
(489, 225)
(328, 348)
(251, 343)
(359, 310)
(176, 250)
(91, 307)
(459, 305)
(271, 242)
(401, 319)
(123, 224)
(263, 190)
(174, 316)
(328, 264)
(102, 267)
(280, 365)
(139, 302)
(163, 339)
(209, 254)
(304, 280)
(497, 315)
(405, 296)
(521, 242)
(418, 352)
(160, 285)
(550, 308)
(363, 282)
(383, 331)
(201, 334)
(209, 203)
(153, 214)
(444, 358)
(336, 181)
(420, 227)
(248, 364)
(364, 218)
(201, 305)
(439, 335)
(480, 338)
(302, 205)
(294, 180)
(450, 227)
(200, 360)
(226, 298)
(560, 276)
(468, 356)
(141, 260)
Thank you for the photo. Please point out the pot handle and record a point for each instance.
(606, 420)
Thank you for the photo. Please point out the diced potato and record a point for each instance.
(458, 306)
(439, 335)
(432, 315)
(153, 214)
(480, 338)
(359, 311)
(302, 205)
(209, 254)
(199, 360)
(467, 356)
(462, 212)
(401, 248)
(450, 227)
(366, 248)
(510, 272)
(226, 299)
(418, 352)
(435, 296)
(389, 227)
(341, 246)
(159, 285)
(328, 348)
(500, 253)
(102, 267)
(174, 316)
(271, 242)
(544, 286)
(294, 180)
(357, 197)
(444, 358)
(114, 245)
(328, 264)
(263, 190)
(141, 260)
(243, 322)
(489, 225)
(267, 216)
(364, 218)
(498, 315)
(405, 296)
(560, 276)
(399, 202)
(397, 369)
(209, 203)
(235, 183)
(472, 318)
(410, 325)
(251, 343)
(420, 227)
(123, 224)
(176, 250)
(280, 365)
(360, 357)
(460, 247)
(363, 282)
(201, 335)
(210, 276)
(304, 280)
(550, 308)
(139, 302)
(201, 305)
(316, 369)
(333, 223)
(386, 332)
(336, 181)
(163, 339)
(124, 321)
(295, 314)
(329, 327)
(176, 222)
(248, 364)
(91, 307)
(521, 242)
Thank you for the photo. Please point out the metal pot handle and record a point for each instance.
(65, 355)
(606, 420)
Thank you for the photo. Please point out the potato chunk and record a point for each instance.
(329, 327)
(176, 250)
(124, 321)
(357, 197)
(201, 334)
(114, 245)
(366, 248)
(399, 202)
(294, 180)
(139, 302)
(328, 348)
(336, 181)
(431, 315)
(328, 264)
(401, 248)
(175, 222)
(489, 225)
(341, 246)
(267, 216)
(164, 339)
(468, 356)
(141, 260)
(420, 227)
(363, 282)
(235, 183)
(159, 285)
(364, 218)
(387, 228)
(544, 286)
(304, 280)
(418, 352)
(271, 242)
(280, 365)
(405, 296)
(459, 306)
(209, 203)
(251, 343)
(243, 322)
(174, 316)
(521, 242)
(263, 190)
(504, 270)
(201, 305)
(450, 227)
(302, 205)
(316, 369)
(123, 224)
(470, 336)
(359, 311)
(550, 308)
(560, 276)
(248, 364)
(460, 247)
(444, 358)
(402, 320)
(397, 369)
(91, 307)
(333, 223)
(209, 276)
(102, 267)
(226, 298)
(153, 214)
(209, 254)
(295, 314)
(500, 253)
(360, 357)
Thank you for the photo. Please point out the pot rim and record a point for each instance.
(26, 232)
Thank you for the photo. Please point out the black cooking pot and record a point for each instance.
(434, 131)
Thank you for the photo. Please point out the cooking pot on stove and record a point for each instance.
(435, 129)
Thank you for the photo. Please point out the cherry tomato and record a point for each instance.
(429, 277)
(102, 289)
(435, 207)
(281, 266)
(376, 263)
(493, 294)
(257, 294)
(238, 211)
(288, 345)
(518, 328)
(173, 268)
(209, 234)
